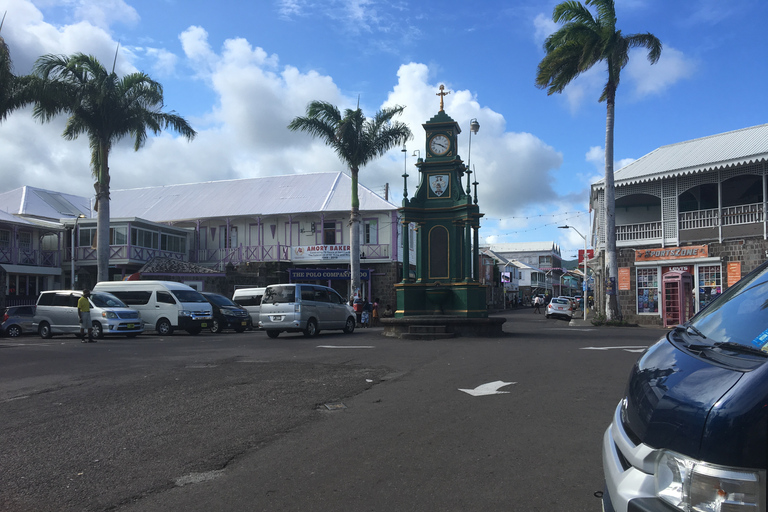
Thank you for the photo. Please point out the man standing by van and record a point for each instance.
(84, 311)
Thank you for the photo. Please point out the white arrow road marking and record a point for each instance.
(632, 348)
(492, 388)
(345, 346)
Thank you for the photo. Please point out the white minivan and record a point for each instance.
(250, 300)
(164, 305)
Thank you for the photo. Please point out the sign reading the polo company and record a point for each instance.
(438, 185)
(672, 253)
(321, 252)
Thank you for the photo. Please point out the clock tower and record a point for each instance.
(447, 223)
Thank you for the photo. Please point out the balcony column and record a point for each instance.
(765, 225)
(719, 207)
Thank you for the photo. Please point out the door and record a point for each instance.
(166, 307)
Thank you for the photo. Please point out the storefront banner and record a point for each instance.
(673, 253)
(677, 268)
(321, 252)
(734, 272)
(303, 274)
(624, 278)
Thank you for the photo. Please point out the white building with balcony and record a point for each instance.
(695, 207)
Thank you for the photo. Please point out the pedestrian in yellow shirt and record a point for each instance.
(84, 310)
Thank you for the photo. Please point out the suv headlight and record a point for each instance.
(109, 314)
(694, 486)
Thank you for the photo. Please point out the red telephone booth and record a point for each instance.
(678, 297)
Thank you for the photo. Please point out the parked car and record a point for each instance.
(17, 320)
(306, 308)
(572, 300)
(559, 306)
(56, 313)
(691, 431)
(250, 299)
(227, 314)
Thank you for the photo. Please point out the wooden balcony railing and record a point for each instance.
(641, 231)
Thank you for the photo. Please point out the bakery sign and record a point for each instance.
(672, 253)
(321, 252)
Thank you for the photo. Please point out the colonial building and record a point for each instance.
(690, 222)
(260, 231)
(543, 257)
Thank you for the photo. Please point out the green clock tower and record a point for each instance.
(447, 222)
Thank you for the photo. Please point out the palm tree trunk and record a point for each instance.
(612, 310)
(102, 220)
(354, 235)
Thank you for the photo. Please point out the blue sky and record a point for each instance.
(240, 71)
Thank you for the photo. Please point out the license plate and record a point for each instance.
(130, 326)
(203, 324)
(276, 318)
(243, 323)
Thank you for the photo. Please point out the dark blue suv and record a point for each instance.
(691, 433)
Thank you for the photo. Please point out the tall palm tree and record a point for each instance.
(583, 41)
(105, 108)
(357, 141)
(10, 85)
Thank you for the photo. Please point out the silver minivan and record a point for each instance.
(306, 308)
(56, 313)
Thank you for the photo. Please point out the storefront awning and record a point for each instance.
(31, 270)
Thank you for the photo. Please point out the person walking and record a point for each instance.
(84, 310)
(375, 313)
(537, 305)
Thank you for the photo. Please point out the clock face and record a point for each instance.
(439, 145)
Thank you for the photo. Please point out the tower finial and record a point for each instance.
(442, 94)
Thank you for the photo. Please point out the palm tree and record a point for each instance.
(582, 42)
(10, 85)
(106, 108)
(357, 141)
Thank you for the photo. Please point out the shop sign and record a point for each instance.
(303, 274)
(321, 252)
(624, 278)
(672, 253)
(734, 272)
(590, 255)
(677, 268)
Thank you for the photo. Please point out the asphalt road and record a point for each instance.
(241, 422)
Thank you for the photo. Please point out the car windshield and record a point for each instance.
(277, 294)
(740, 315)
(559, 301)
(219, 300)
(106, 300)
(189, 296)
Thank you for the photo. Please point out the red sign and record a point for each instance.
(734, 272)
(625, 278)
(678, 268)
(672, 253)
(590, 255)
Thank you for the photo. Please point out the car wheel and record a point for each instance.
(45, 330)
(13, 331)
(546, 316)
(311, 329)
(164, 327)
(349, 328)
(98, 330)
(273, 334)
(216, 327)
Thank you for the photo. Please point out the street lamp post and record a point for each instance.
(72, 251)
(584, 287)
(474, 127)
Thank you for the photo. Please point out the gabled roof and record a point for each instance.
(274, 195)
(729, 149)
(524, 247)
(43, 204)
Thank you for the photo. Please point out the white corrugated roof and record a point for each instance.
(41, 203)
(524, 247)
(740, 147)
(274, 195)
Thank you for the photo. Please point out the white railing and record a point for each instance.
(641, 231)
(698, 219)
(743, 214)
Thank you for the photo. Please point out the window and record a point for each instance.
(370, 234)
(133, 297)
(144, 238)
(647, 290)
(118, 235)
(165, 298)
(87, 237)
(5, 239)
(173, 243)
(329, 233)
(709, 284)
(25, 240)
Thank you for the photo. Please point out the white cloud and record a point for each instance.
(648, 79)
(544, 27)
